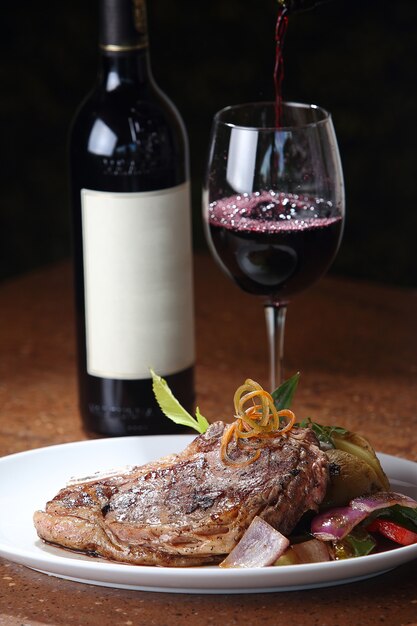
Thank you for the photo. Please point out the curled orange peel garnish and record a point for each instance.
(260, 420)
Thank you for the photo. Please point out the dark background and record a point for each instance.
(357, 58)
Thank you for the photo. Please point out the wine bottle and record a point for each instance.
(129, 178)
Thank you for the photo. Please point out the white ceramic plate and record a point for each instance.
(29, 479)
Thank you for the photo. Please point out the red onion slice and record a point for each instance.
(381, 500)
(260, 546)
(335, 524)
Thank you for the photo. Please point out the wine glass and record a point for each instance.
(273, 204)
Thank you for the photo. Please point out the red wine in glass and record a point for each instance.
(274, 244)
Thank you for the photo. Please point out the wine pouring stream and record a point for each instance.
(273, 199)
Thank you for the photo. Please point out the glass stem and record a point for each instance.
(275, 327)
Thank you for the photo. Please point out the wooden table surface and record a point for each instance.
(355, 344)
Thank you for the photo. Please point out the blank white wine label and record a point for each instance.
(139, 309)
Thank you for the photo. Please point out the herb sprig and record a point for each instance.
(323, 433)
(170, 406)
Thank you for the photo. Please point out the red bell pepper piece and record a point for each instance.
(393, 531)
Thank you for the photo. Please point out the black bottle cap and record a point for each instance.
(123, 25)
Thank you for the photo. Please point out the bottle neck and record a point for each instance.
(124, 68)
(123, 42)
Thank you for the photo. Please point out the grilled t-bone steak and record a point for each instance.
(190, 508)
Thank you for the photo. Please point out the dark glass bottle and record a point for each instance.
(131, 236)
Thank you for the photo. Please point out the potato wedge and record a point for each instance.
(350, 476)
(360, 447)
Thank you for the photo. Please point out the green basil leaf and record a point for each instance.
(283, 395)
(170, 406)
